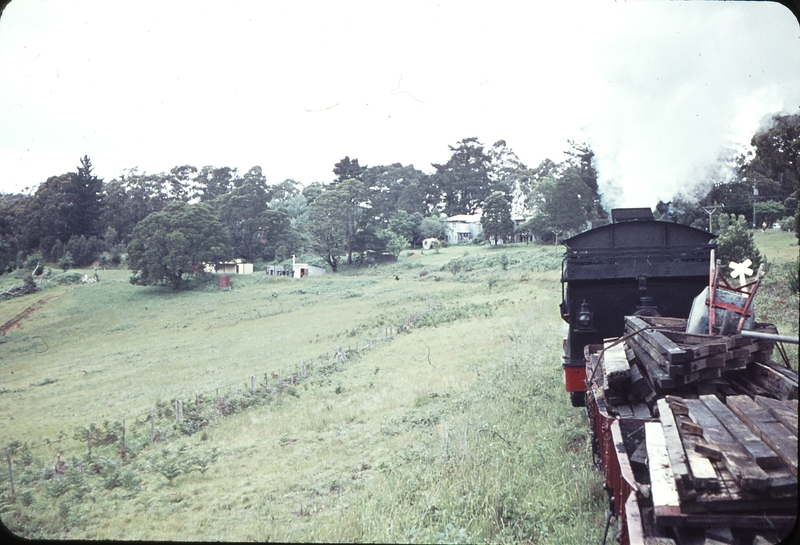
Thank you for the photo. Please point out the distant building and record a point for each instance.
(301, 270)
(463, 228)
(430, 243)
(277, 270)
(229, 267)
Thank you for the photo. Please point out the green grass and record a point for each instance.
(447, 422)
(775, 302)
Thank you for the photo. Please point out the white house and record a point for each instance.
(229, 267)
(277, 270)
(463, 228)
(301, 270)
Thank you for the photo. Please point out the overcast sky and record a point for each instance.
(660, 90)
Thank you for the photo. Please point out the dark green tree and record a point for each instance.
(347, 169)
(242, 210)
(562, 206)
(83, 198)
(405, 225)
(169, 245)
(460, 185)
(581, 161)
(130, 198)
(213, 182)
(777, 158)
(47, 215)
(769, 212)
(432, 227)
(392, 188)
(327, 224)
(735, 242)
(496, 217)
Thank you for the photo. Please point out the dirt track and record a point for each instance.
(14, 322)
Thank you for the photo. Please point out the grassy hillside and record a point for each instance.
(418, 401)
(775, 302)
(421, 401)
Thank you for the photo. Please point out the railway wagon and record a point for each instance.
(632, 266)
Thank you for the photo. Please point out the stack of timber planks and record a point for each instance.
(676, 362)
(719, 458)
(718, 465)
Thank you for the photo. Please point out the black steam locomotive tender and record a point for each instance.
(631, 266)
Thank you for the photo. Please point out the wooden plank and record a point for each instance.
(659, 378)
(639, 387)
(672, 516)
(773, 433)
(791, 403)
(709, 451)
(633, 519)
(624, 411)
(710, 362)
(677, 456)
(689, 427)
(790, 374)
(747, 474)
(722, 535)
(729, 497)
(616, 369)
(780, 411)
(662, 484)
(671, 351)
(678, 324)
(626, 472)
(703, 473)
(641, 410)
(771, 380)
(641, 342)
(764, 456)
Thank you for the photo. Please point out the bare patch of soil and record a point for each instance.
(14, 322)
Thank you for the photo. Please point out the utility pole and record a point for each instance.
(710, 212)
(556, 233)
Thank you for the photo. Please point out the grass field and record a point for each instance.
(421, 401)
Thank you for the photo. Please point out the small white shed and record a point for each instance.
(430, 243)
(301, 270)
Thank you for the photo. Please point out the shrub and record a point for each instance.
(736, 243)
(66, 262)
(791, 275)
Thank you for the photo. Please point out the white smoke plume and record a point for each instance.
(678, 96)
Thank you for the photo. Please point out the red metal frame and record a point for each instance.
(575, 379)
(745, 289)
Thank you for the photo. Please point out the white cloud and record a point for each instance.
(658, 88)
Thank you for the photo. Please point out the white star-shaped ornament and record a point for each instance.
(741, 270)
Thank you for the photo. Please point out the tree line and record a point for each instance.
(218, 213)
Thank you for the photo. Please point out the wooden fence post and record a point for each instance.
(252, 384)
(89, 441)
(152, 426)
(123, 437)
(178, 411)
(197, 403)
(10, 473)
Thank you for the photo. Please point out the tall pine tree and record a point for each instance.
(84, 201)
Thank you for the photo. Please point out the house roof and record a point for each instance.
(465, 218)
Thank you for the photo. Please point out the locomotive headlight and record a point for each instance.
(584, 317)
